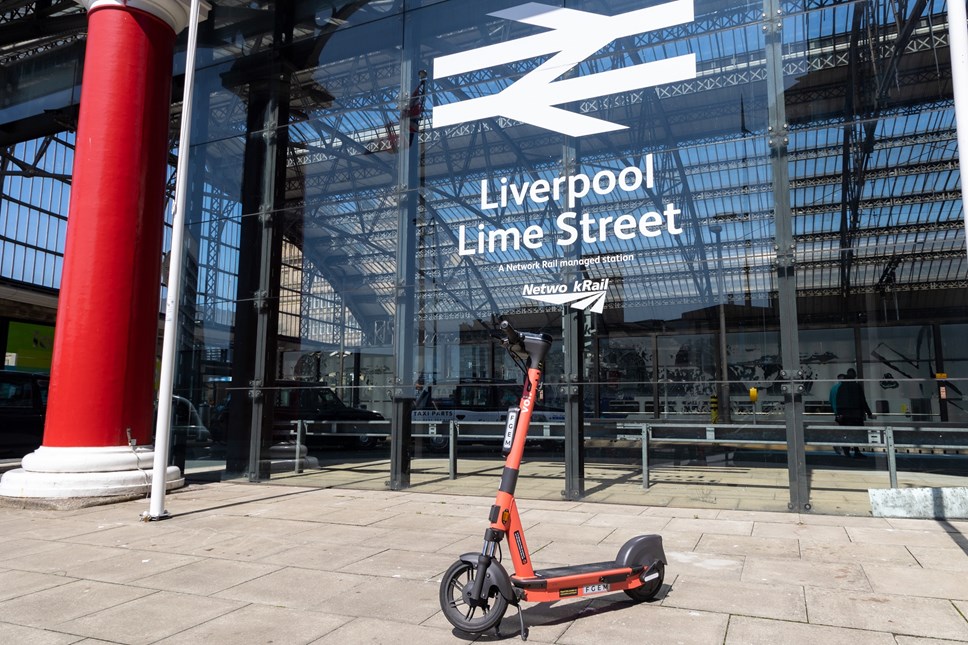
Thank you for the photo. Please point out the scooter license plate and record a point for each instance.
(509, 429)
(591, 589)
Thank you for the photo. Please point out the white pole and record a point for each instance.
(958, 44)
(156, 509)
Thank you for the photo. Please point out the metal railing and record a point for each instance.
(890, 437)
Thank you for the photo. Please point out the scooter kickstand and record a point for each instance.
(524, 630)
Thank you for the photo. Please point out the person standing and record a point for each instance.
(850, 406)
(833, 393)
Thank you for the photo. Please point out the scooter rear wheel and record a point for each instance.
(454, 586)
(650, 588)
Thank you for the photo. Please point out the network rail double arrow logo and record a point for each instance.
(584, 294)
(574, 36)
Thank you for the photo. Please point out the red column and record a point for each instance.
(102, 373)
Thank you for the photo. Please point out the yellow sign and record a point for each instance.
(753, 394)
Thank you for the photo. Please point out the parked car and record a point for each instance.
(189, 436)
(480, 405)
(23, 404)
(23, 410)
(327, 418)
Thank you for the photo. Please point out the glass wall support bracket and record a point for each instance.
(786, 280)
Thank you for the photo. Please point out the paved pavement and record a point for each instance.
(243, 563)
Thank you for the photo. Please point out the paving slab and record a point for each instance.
(126, 535)
(745, 630)
(749, 545)
(828, 534)
(305, 565)
(234, 546)
(778, 505)
(642, 524)
(531, 516)
(415, 523)
(18, 583)
(929, 583)
(39, 524)
(166, 536)
(962, 607)
(711, 526)
(545, 622)
(942, 558)
(322, 556)
(401, 600)
(782, 602)
(759, 516)
(148, 619)
(864, 521)
(345, 534)
(904, 615)
(450, 508)
(397, 563)
(15, 548)
(694, 513)
(207, 577)
(385, 632)
(260, 624)
(77, 598)
(948, 526)
(829, 575)
(294, 588)
(607, 623)
(129, 565)
(244, 524)
(705, 565)
(62, 559)
(594, 508)
(861, 553)
(907, 537)
(34, 636)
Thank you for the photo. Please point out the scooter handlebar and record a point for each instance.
(514, 338)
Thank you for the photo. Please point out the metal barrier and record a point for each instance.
(301, 426)
(894, 437)
(703, 434)
(432, 431)
(890, 438)
(454, 434)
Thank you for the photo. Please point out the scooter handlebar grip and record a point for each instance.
(513, 336)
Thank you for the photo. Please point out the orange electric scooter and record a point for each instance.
(476, 590)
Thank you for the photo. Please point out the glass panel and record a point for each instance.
(871, 164)
(660, 229)
(955, 370)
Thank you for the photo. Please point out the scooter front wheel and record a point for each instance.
(462, 614)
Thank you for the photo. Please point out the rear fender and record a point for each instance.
(644, 550)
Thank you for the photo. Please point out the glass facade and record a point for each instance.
(717, 210)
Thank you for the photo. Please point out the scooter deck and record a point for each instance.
(609, 571)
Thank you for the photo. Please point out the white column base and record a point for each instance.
(62, 473)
